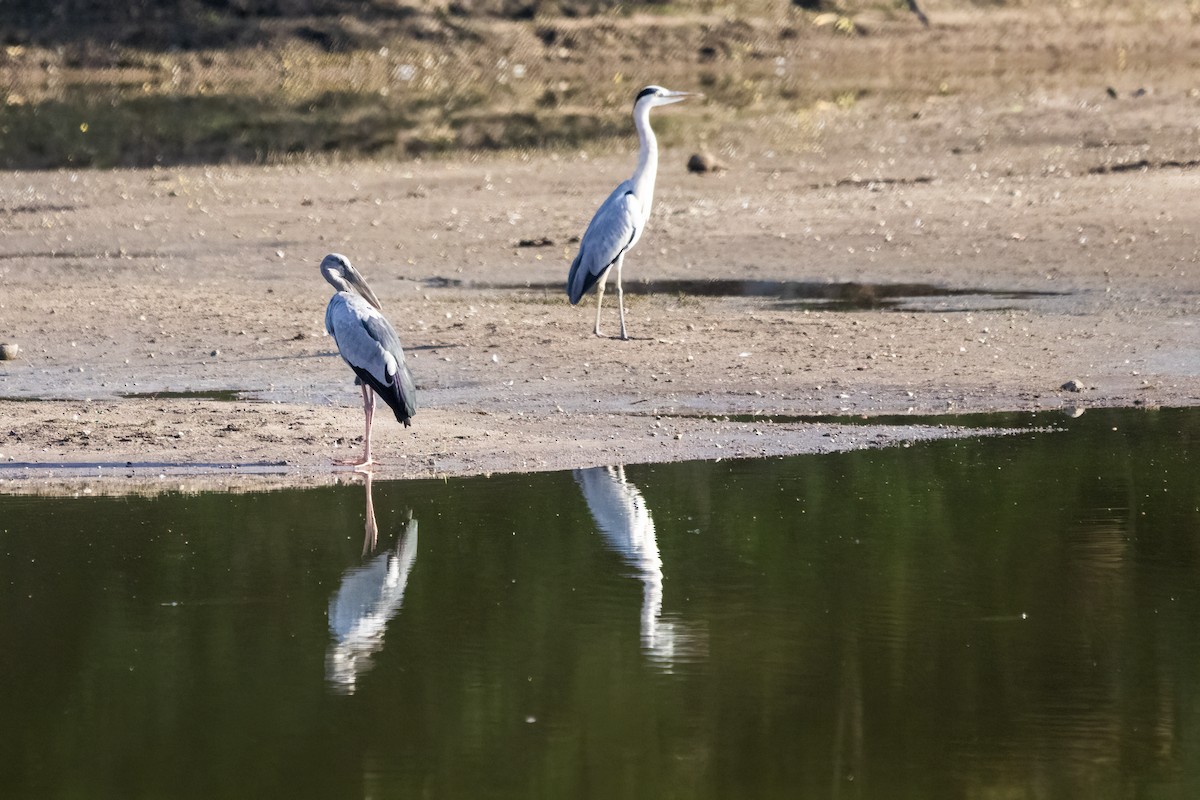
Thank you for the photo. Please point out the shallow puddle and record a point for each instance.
(999, 617)
(813, 295)
(220, 395)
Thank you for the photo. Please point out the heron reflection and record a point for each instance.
(624, 521)
(367, 598)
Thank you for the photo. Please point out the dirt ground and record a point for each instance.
(1061, 219)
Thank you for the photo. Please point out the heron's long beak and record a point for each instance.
(360, 285)
(675, 97)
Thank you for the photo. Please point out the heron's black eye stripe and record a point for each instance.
(644, 93)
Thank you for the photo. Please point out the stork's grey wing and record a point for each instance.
(403, 392)
(369, 344)
(346, 319)
(611, 232)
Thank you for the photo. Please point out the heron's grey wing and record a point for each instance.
(622, 516)
(369, 344)
(611, 232)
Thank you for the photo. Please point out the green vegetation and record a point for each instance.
(85, 83)
(194, 81)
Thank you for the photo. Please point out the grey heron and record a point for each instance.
(624, 521)
(620, 220)
(369, 344)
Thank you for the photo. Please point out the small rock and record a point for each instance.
(704, 162)
(1072, 386)
(215, 353)
(8, 351)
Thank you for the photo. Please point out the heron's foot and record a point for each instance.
(596, 332)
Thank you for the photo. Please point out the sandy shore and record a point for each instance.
(982, 249)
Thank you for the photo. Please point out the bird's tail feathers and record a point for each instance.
(580, 280)
(400, 396)
(575, 287)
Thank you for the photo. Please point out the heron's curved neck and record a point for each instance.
(647, 166)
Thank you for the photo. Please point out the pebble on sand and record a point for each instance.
(1072, 386)
(704, 162)
(8, 351)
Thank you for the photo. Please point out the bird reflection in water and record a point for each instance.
(624, 521)
(367, 598)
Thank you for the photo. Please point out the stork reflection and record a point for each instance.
(367, 598)
(624, 521)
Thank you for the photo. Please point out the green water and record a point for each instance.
(1013, 617)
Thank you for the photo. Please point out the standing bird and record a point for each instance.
(369, 344)
(619, 222)
(624, 521)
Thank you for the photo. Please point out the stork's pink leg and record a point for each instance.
(371, 534)
(368, 412)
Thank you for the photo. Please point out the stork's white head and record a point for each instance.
(338, 270)
(653, 96)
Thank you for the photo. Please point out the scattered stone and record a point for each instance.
(704, 162)
(1072, 386)
(8, 351)
(215, 353)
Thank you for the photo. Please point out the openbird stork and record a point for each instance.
(369, 344)
(368, 597)
(620, 220)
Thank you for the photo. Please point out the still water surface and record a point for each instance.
(1003, 617)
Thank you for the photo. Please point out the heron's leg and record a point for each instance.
(621, 294)
(599, 300)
